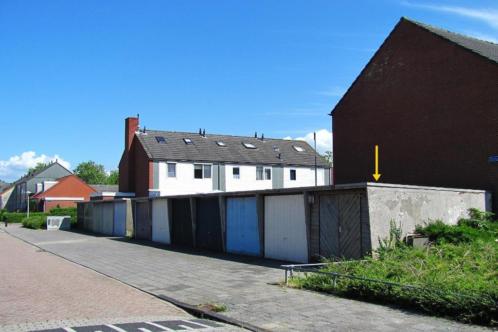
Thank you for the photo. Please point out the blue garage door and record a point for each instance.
(242, 226)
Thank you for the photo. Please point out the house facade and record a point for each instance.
(160, 163)
(65, 192)
(429, 99)
(34, 183)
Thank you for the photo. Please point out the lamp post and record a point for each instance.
(27, 202)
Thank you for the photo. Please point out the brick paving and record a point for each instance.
(39, 291)
(247, 286)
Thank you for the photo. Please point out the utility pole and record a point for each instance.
(316, 175)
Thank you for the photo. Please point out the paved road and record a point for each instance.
(41, 291)
(247, 287)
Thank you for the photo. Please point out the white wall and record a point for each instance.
(305, 177)
(247, 180)
(184, 182)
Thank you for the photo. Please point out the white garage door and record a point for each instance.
(119, 219)
(285, 228)
(107, 218)
(160, 221)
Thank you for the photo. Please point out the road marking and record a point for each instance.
(115, 328)
(159, 326)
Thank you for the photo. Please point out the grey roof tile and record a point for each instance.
(484, 48)
(206, 149)
(105, 187)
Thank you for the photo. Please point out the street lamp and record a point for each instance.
(27, 201)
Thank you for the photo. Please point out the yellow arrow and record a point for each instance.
(376, 175)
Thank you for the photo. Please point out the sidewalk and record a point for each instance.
(246, 286)
(40, 291)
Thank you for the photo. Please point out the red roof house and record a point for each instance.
(65, 193)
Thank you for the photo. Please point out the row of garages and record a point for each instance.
(293, 227)
(297, 225)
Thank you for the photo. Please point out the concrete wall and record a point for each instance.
(415, 205)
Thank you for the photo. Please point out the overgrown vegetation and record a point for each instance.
(456, 276)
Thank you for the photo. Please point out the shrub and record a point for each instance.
(35, 222)
(58, 211)
(18, 217)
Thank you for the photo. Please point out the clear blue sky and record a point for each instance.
(71, 71)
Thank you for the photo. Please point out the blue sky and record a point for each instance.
(71, 71)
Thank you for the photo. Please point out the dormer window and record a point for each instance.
(249, 145)
(298, 148)
(161, 139)
(188, 141)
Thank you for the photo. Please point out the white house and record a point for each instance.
(161, 163)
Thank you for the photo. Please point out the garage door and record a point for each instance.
(160, 221)
(119, 219)
(340, 226)
(143, 222)
(182, 223)
(242, 226)
(107, 218)
(285, 228)
(208, 224)
(97, 217)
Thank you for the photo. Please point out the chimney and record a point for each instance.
(131, 126)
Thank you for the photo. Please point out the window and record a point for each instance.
(220, 143)
(161, 140)
(202, 171)
(249, 145)
(188, 141)
(171, 170)
(298, 148)
(259, 172)
(263, 173)
(267, 173)
(293, 175)
(236, 172)
(207, 171)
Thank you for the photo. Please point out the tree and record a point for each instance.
(38, 167)
(328, 157)
(91, 172)
(113, 177)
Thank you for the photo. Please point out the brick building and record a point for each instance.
(65, 192)
(429, 99)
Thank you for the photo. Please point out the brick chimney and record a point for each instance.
(127, 162)
(131, 126)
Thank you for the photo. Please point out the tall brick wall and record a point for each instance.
(430, 105)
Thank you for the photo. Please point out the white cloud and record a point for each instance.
(486, 15)
(323, 140)
(335, 91)
(16, 166)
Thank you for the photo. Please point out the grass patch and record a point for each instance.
(456, 277)
(214, 307)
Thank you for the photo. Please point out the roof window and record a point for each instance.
(188, 141)
(249, 145)
(161, 139)
(298, 148)
(220, 143)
